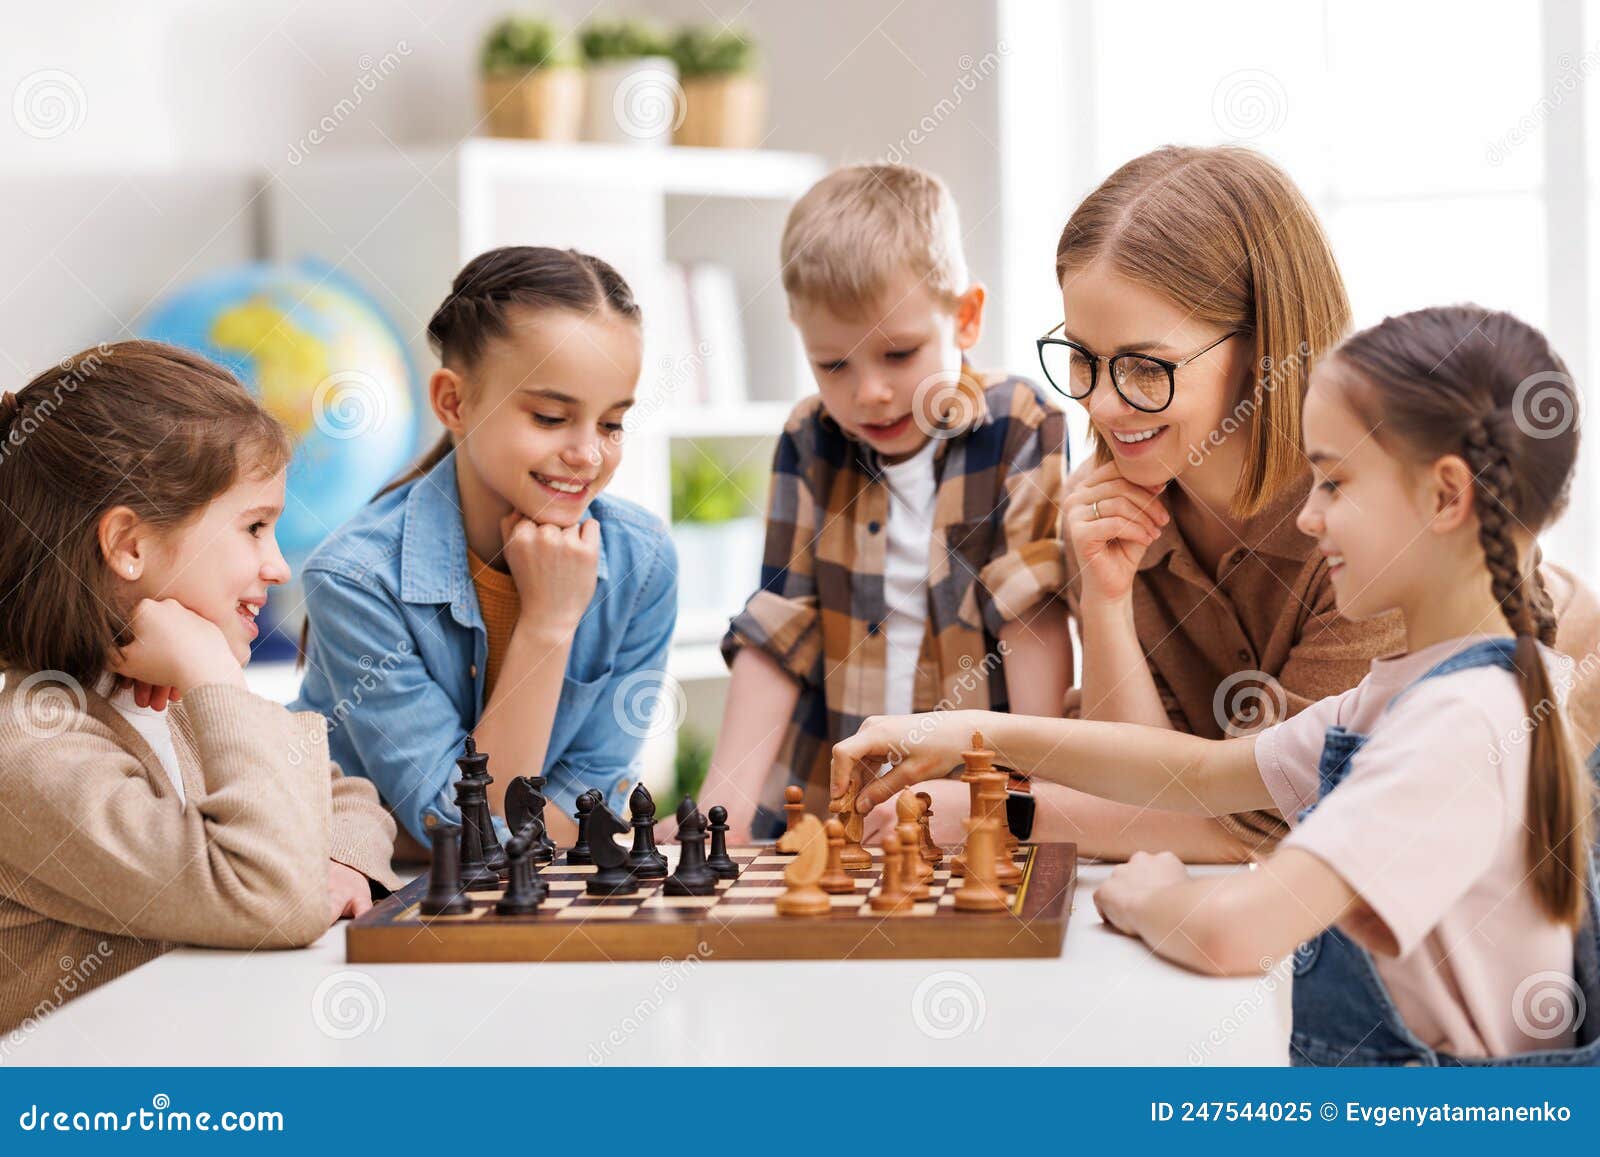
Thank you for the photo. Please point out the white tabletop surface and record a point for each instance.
(1106, 1000)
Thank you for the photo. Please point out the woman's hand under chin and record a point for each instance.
(1111, 522)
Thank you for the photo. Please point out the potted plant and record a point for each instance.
(633, 84)
(724, 98)
(719, 534)
(531, 85)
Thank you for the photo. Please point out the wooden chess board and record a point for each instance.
(739, 923)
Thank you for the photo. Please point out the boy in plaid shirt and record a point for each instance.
(913, 557)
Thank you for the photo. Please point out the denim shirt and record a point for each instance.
(398, 651)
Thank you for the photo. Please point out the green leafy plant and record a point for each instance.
(689, 769)
(711, 50)
(525, 44)
(703, 491)
(605, 40)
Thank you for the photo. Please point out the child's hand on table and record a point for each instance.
(1131, 885)
(349, 894)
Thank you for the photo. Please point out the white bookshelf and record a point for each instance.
(402, 221)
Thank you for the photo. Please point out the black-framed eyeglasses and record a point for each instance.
(1144, 381)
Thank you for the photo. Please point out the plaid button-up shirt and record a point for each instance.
(1000, 465)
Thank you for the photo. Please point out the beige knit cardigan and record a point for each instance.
(103, 868)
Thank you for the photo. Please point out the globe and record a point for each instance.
(326, 362)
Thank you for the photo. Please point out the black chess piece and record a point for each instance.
(612, 877)
(480, 844)
(445, 896)
(548, 855)
(693, 877)
(524, 802)
(525, 891)
(579, 852)
(645, 861)
(720, 863)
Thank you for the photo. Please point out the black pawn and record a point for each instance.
(693, 877)
(644, 861)
(579, 852)
(525, 891)
(612, 877)
(444, 896)
(720, 863)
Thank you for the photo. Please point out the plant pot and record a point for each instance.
(543, 105)
(634, 101)
(723, 112)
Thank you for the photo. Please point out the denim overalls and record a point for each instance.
(1343, 1014)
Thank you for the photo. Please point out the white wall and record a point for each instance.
(233, 88)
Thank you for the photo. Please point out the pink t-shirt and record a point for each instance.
(1427, 827)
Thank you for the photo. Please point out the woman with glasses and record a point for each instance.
(1197, 289)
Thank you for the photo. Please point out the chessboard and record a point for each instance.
(739, 922)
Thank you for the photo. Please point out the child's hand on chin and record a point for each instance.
(554, 568)
(1130, 885)
(348, 892)
(174, 648)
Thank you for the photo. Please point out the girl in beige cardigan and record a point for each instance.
(148, 798)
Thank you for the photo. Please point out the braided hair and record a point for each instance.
(1487, 388)
(478, 310)
(493, 284)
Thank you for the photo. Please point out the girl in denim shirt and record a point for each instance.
(494, 590)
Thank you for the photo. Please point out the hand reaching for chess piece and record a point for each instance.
(951, 805)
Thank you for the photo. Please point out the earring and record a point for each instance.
(130, 572)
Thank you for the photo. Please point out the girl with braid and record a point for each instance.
(1438, 877)
(495, 591)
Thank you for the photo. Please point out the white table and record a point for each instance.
(1106, 1000)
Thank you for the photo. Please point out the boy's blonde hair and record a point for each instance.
(1225, 234)
(860, 226)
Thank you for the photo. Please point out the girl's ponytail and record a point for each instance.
(1481, 384)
